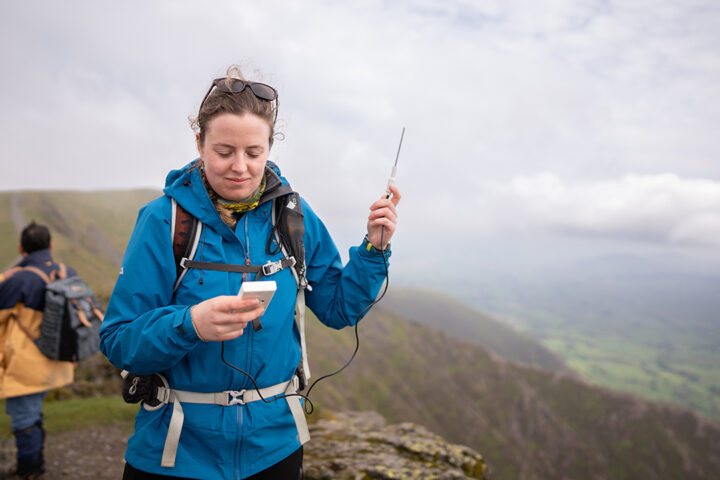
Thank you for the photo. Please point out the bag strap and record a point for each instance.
(62, 271)
(44, 276)
(185, 231)
(59, 273)
(297, 230)
(14, 316)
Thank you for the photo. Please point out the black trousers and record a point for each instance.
(288, 469)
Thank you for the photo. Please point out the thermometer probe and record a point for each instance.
(391, 180)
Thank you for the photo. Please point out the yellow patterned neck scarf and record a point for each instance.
(247, 204)
(226, 208)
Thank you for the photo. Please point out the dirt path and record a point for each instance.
(94, 453)
(16, 211)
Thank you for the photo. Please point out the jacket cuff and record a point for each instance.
(184, 326)
(368, 249)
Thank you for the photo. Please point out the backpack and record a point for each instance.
(70, 328)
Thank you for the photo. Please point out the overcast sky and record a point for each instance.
(583, 119)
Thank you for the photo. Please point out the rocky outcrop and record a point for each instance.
(359, 445)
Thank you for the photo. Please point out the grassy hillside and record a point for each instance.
(464, 322)
(9, 234)
(89, 229)
(527, 422)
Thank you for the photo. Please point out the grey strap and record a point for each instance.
(300, 320)
(297, 411)
(299, 310)
(173, 436)
(225, 398)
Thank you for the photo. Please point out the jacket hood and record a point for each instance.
(185, 185)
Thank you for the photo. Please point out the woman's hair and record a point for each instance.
(219, 102)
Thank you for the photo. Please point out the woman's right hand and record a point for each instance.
(225, 317)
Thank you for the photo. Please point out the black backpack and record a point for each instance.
(70, 328)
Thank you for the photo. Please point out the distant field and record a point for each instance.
(658, 361)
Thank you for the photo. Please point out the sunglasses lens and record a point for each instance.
(222, 86)
(263, 91)
(238, 86)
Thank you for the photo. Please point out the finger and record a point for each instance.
(222, 337)
(233, 303)
(383, 222)
(383, 212)
(236, 317)
(384, 205)
(395, 197)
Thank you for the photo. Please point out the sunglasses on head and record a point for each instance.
(260, 90)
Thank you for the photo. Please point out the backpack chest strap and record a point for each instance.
(226, 398)
(262, 270)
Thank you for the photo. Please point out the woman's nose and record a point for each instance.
(239, 163)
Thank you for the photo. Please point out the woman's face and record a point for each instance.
(234, 153)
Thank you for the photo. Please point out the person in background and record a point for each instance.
(26, 375)
(192, 333)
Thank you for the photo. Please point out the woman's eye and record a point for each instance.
(224, 154)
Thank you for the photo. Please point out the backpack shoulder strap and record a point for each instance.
(289, 228)
(44, 276)
(61, 271)
(185, 231)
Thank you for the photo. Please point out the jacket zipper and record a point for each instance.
(248, 363)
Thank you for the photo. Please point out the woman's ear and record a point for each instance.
(197, 143)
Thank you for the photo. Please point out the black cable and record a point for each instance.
(306, 396)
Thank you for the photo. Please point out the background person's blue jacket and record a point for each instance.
(147, 329)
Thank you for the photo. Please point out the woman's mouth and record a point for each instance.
(238, 181)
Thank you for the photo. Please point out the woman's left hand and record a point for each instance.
(383, 214)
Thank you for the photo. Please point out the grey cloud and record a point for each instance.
(97, 95)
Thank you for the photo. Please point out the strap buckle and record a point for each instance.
(163, 394)
(236, 397)
(271, 268)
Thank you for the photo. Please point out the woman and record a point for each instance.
(152, 327)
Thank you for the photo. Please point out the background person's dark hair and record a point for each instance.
(34, 237)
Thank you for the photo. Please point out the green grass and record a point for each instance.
(7, 230)
(665, 363)
(63, 415)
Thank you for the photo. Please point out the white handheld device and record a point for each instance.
(262, 290)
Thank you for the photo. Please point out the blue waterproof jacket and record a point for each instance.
(148, 329)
